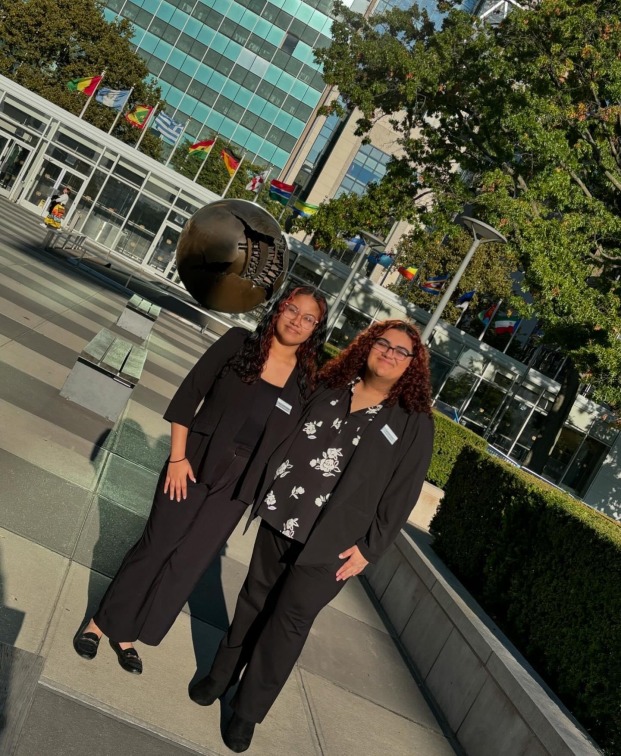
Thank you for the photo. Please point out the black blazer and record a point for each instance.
(375, 493)
(227, 402)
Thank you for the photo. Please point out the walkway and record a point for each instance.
(75, 493)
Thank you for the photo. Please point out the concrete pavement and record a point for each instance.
(75, 493)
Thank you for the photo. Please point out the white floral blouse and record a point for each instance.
(304, 482)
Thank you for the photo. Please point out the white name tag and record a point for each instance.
(282, 405)
(389, 433)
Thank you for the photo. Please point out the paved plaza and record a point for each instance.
(76, 490)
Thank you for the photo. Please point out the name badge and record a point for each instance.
(284, 406)
(389, 433)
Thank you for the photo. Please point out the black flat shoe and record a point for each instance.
(86, 644)
(128, 658)
(206, 691)
(238, 734)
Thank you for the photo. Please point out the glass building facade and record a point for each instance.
(241, 68)
(369, 166)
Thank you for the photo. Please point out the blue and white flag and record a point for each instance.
(355, 244)
(113, 98)
(168, 128)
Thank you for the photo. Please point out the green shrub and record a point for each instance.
(450, 438)
(547, 569)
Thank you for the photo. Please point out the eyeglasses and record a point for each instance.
(383, 346)
(291, 312)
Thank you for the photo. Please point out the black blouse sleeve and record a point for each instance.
(201, 378)
(401, 494)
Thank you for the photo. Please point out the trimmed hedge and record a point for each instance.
(449, 440)
(547, 569)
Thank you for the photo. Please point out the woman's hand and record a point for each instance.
(177, 479)
(354, 564)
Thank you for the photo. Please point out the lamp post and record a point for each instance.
(482, 234)
(370, 241)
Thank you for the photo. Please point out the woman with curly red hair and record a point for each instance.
(252, 388)
(333, 498)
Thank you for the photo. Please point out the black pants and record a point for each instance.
(158, 574)
(276, 608)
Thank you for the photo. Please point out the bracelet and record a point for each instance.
(174, 461)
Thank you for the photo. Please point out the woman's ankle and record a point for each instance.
(92, 627)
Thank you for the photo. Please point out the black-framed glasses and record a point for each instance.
(385, 347)
(291, 312)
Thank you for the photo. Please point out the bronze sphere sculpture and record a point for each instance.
(232, 255)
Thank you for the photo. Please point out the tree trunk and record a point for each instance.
(538, 455)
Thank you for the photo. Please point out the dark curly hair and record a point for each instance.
(412, 390)
(249, 362)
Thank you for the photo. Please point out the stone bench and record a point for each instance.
(105, 374)
(138, 317)
(490, 696)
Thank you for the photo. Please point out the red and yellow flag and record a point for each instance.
(87, 85)
(230, 161)
(408, 273)
(204, 147)
(139, 116)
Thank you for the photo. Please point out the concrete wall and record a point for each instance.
(605, 490)
(490, 696)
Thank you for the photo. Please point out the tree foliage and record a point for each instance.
(46, 43)
(522, 123)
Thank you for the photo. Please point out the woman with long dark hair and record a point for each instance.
(333, 498)
(252, 388)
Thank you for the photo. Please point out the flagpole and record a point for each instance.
(146, 125)
(489, 322)
(172, 152)
(121, 109)
(261, 185)
(228, 186)
(288, 203)
(517, 327)
(92, 94)
(205, 159)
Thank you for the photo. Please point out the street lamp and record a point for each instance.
(482, 234)
(370, 241)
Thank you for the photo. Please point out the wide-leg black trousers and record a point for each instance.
(275, 610)
(179, 542)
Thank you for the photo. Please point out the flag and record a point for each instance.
(305, 209)
(485, 315)
(139, 116)
(506, 324)
(204, 147)
(355, 244)
(408, 273)
(256, 182)
(463, 302)
(113, 98)
(385, 260)
(86, 85)
(230, 161)
(170, 129)
(466, 297)
(281, 192)
(434, 284)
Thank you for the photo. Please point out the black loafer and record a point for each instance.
(206, 691)
(128, 658)
(86, 644)
(238, 734)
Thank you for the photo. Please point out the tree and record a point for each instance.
(522, 121)
(46, 43)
